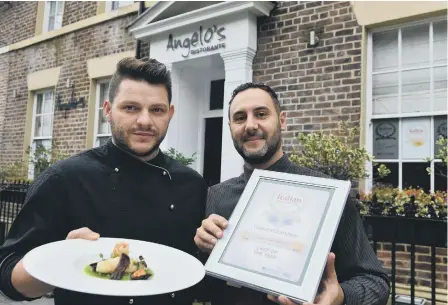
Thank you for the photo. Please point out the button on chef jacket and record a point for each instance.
(116, 195)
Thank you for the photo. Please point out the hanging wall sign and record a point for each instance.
(202, 40)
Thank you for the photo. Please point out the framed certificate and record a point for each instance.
(280, 233)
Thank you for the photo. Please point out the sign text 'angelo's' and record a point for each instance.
(202, 38)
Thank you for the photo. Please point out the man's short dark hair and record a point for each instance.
(244, 87)
(149, 70)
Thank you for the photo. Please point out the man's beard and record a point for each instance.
(265, 153)
(118, 135)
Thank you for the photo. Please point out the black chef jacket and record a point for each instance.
(116, 195)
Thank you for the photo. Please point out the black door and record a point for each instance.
(212, 150)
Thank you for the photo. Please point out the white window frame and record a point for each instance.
(57, 25)
(110, 5)
(368, 183)
(33, 126)
(99, 104)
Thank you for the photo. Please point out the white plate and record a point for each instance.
(61, 264)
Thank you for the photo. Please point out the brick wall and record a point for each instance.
(75, 11)
(4, 74)
(71, 52)
(320, 86)
(17, 22)
(422, 265)
(317, 86)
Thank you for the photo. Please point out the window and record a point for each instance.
(54, 11)
(42, 126)
(102, 127)
(114, 5)
(217, 94)
(407, 102)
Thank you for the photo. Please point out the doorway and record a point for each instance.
(212, 150)
(213, 134)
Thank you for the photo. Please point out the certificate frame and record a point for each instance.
(247, 231)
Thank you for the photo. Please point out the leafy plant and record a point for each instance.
(180, 157)
(336, 156)
(442, 154)
(387, 201)
(40, 159)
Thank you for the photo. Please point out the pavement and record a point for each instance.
(41, 301)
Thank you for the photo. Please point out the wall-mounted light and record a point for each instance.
(313, 40)
(71, 104)
(14, 93)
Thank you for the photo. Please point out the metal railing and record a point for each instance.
(12, 197)
(411, 231)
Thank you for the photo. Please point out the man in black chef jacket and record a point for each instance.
(126, 188)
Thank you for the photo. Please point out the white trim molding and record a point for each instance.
(142, 29)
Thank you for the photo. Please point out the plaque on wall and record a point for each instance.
(385, 139)
(440, 124)
(416, 139)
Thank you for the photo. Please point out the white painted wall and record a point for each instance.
(239, 33)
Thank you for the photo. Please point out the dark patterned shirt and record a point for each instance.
(359, 271)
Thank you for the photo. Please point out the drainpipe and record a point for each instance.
(141, 8)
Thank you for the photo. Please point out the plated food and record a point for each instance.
(120, 266)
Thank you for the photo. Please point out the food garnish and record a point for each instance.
(120, 266)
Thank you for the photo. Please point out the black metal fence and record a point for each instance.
(411, 231)
(12, 197)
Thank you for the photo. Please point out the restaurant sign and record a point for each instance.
(203, 40)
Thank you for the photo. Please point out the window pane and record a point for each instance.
(440, 89)
(385, 139)
(385, 93)
(416, 176)
(415, 81)
(102, 140)
(440, 123)
(104, 93)
(38, 167)
(216, 94)
(440, 78)
(44, 143)
(39, 103)
(38, 126)
(52, 8)
(103, 125)
(385, 50)
(46, 125)
(415, 46)
(416, 140)
(440, 181)
(415, 89)
(60, 7)
(440, 45)
(51, 23)
(115, 5)
(389, 180)
(48, 103)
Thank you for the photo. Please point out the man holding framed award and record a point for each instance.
(278, 241)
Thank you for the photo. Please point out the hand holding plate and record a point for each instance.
(83, 233)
